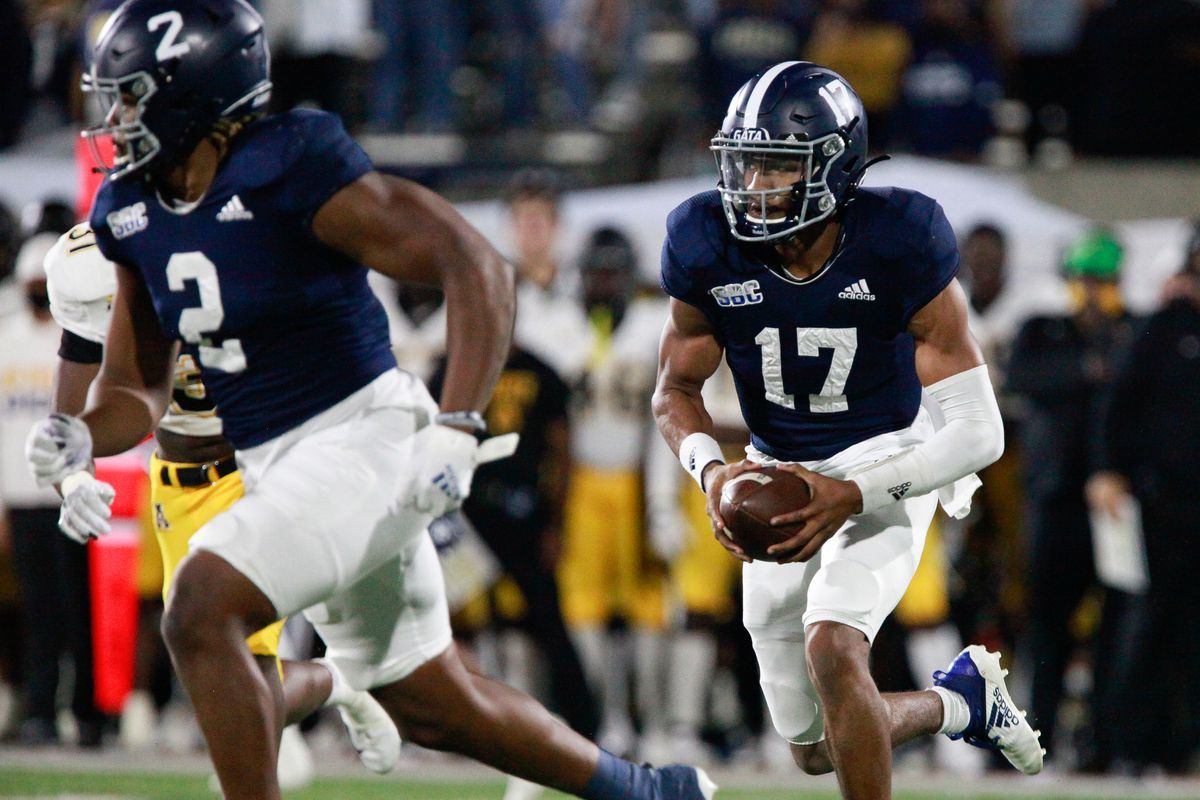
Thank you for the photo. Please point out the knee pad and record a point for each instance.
(795, 710)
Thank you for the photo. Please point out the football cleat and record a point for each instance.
(996, 722)
(372, 732)
(683, 782)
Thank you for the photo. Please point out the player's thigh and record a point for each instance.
(179, 512)
(866, 567)
(639, 583)
(388, 623)
(586, 567)
(705, 575)
(327, 512)
(926, 601)
(773, 605)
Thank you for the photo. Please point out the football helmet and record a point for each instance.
(790, 150)
(166, 71)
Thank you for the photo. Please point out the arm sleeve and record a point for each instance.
(73, 347)
(935, 262)
(323, 159)
(972, 438)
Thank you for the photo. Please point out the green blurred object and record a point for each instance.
(1097, 255)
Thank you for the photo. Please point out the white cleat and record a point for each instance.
(708, 788)
(295, 767)
(372, 732)
(996, 722)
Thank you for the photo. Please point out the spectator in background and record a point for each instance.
(1151, 438)
(609, 570)
(949, 86)
(317, 46)
(421, 45)
(517, 508)
(10, 243)
(52, 215)
(1045, 35)
(16, 64)
(1062, 367)
(991, 562)
(51, 569)
(869, 54)
(551, 324)
(1141, 96)
(741, 37)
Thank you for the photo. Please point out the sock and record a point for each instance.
(341, 693)
(693, 661)
(618, 779)
(956, 715)
(649, 647)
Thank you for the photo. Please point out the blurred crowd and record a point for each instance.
(584, 570)
(1001, 80)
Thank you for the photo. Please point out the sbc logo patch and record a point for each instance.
(128, 220)
(737, 294)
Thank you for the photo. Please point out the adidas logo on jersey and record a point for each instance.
(856, 291)
(234, 211)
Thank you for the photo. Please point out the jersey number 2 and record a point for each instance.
(195, 323)
(809, 342)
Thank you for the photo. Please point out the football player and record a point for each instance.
(193, 476)
(247, 238)
(833, 306)
(609, 567)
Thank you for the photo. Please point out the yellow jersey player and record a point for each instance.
(608, 570)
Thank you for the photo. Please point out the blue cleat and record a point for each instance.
(996, 722)
(682, 782)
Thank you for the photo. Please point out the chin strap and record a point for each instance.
(857, 176)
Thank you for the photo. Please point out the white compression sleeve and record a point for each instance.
(972, 438)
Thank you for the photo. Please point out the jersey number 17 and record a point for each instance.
(809, 342)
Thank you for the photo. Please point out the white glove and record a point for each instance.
(56, 447)
(447, 458)
(668, 533)
(85, 507)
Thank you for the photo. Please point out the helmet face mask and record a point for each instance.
(773, 188)
(123, 103)
(788, 150)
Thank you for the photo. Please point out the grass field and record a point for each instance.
(69, 784)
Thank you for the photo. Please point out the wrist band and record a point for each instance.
(464, 419)
(696, 452)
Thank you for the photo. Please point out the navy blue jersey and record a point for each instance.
(823, 363)
(282, 326)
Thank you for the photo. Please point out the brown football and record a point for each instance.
(750, 500)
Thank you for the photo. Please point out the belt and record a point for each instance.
(191, 475)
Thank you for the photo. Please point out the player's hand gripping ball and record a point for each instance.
(749, 502)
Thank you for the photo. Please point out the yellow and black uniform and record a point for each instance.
(512, 512)
(183, 497)
(608, 568)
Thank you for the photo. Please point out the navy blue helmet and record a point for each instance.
(166, 71)
(790, 149)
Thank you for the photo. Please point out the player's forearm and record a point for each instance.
(679, 413)
(71, 382)
(121, 417)
(481, 305)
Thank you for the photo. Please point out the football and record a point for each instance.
(750, 500)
